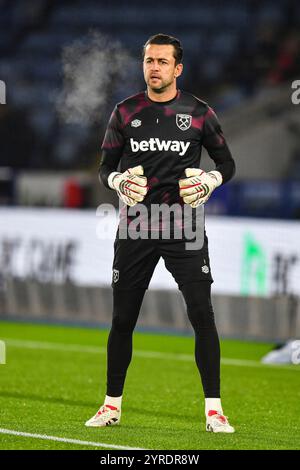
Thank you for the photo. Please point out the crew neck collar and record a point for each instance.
(163, 103)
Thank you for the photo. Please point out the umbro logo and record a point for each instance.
(136, 123)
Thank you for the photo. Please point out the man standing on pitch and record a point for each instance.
(156, 137)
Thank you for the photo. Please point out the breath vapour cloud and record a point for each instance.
(92, 67)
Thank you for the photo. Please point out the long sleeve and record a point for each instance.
(112, 147)
(216, 146)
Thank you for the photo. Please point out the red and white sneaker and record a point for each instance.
(215, 422)
(107, 415)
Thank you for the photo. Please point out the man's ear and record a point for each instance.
(178, 70)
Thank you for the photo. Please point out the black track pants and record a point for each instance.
(127, 304)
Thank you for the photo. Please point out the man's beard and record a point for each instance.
(161, 89)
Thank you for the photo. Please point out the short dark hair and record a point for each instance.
(165, 39)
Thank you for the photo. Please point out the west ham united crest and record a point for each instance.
(183, 121)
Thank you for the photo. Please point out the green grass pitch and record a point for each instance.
(55, 377)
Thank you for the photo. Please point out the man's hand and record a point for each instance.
(131, 186)
(196, 189)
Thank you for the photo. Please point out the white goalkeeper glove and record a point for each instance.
(131, 185)
(196, 189)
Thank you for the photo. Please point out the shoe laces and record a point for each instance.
(106, 409)
(221, 418)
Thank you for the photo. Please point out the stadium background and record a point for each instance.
(64, 65)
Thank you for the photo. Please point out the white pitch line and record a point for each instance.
(23, 343)
(17, 343)
(65, 440)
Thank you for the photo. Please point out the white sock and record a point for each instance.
(113, 401)
(213, 404)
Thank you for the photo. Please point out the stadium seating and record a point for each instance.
(211, 33)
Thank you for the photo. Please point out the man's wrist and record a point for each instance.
(110, 179)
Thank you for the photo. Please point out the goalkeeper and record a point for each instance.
(151, 156)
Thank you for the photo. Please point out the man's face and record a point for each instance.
(159, 67)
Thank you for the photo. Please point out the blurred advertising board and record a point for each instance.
(249, 257)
